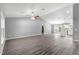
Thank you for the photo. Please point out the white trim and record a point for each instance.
(2, 48)
(22, 36)
(76, 42)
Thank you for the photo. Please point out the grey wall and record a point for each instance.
(76, 22)
(24, 27)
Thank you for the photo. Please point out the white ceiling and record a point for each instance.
(63, 15)
(25, 9)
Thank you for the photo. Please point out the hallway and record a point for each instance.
(40, 45)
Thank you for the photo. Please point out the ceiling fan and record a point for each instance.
(33, 16)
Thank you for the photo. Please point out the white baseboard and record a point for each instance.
(76, 42)
(22, 36)
(1, 48)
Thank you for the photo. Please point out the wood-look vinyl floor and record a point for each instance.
(41, 45)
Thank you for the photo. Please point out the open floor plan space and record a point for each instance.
(39, 29)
